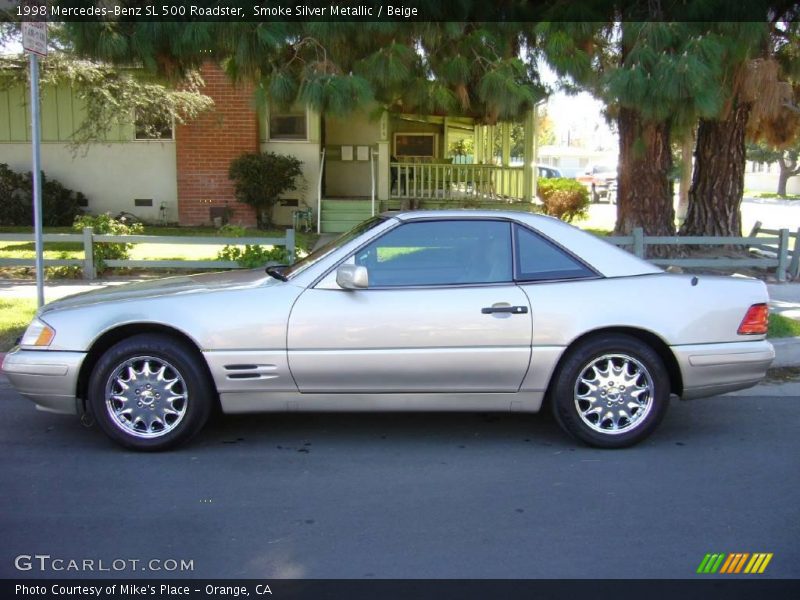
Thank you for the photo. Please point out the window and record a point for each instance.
(160, 129)
(439, 253)
(287, 125)
(415, 144)
(538, 259)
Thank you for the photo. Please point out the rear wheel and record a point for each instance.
(150, 392)
(611, 391)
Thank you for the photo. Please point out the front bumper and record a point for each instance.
(711, 369)
(48, 378)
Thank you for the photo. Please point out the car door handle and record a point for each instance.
(514, 310)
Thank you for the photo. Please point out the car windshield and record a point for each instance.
(324, 250)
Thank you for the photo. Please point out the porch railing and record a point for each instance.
(446, 180)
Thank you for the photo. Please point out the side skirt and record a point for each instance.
(244, 402)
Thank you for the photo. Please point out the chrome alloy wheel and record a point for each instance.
(614, 393)
(146, 397)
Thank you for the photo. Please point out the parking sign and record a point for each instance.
(34, 38)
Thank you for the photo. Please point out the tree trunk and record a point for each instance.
(783, 178)
(643, 197)
(788, 169)
(718, 180)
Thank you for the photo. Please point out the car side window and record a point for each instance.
(439, 253)
(538, 259)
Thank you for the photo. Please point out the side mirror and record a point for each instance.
(352, 277)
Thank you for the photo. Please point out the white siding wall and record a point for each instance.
(768, 182)
(110, 175)
(307, 151)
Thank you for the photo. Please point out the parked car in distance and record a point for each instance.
(548, 172)
(601, 182)
(426, 311)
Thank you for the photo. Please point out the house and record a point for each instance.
(352, 167)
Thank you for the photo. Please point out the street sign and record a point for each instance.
(34, 38)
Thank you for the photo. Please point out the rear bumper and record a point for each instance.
(711, 369)
(49, 379)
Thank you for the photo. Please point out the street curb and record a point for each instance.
(787, 352)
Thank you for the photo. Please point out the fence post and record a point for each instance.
(638, 242)
(756, 228)
(88, 254)
(783, 255)
(290, 244)
(794, 267)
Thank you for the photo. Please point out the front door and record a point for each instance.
(441, 314)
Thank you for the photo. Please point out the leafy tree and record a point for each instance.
(111, 96)
(788, 160)
(261, 178)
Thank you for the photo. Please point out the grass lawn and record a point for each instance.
(15, 314)
(780, 327)
(304, 241)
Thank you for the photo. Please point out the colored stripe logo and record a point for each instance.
(734, 562)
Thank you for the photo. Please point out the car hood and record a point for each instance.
(168, 286)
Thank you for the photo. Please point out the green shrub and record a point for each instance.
(563, 198)
(253, 255)
(106, 224)
(60, 205)
(260, 178)
(63, 272)
(229, 230)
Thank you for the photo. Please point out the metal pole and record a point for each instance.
(37, 179)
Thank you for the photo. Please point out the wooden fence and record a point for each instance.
(88, 238)
(777, 249)
(782, 257)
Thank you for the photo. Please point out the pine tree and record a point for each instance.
(472, 69)
(758, 105)
(652, 77)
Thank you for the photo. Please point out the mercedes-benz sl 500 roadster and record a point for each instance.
(420, 311)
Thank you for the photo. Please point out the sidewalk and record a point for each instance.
(784, 300)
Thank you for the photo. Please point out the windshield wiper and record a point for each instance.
(275, 271)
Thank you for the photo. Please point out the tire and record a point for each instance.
(628, 404)
(143, 417)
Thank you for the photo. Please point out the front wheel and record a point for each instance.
(149, 392)
(611, 391)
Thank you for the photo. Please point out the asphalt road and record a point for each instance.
(413, 495)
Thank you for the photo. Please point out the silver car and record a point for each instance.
(423, 311)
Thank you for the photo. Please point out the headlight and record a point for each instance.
(38, 334)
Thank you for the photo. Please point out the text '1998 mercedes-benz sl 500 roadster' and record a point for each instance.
(423, 311)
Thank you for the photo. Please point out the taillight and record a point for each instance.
(756, 320)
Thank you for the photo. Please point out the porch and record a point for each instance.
(421, 162)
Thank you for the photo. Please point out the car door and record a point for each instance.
(441, 314)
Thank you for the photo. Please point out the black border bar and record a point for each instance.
(732, 588)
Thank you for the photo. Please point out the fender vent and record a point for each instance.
(254, 371)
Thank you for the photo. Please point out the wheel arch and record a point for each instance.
(648, 337)
(116, 334)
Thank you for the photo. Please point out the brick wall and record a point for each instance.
(206, 146)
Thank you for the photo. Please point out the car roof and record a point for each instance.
(606, 258)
